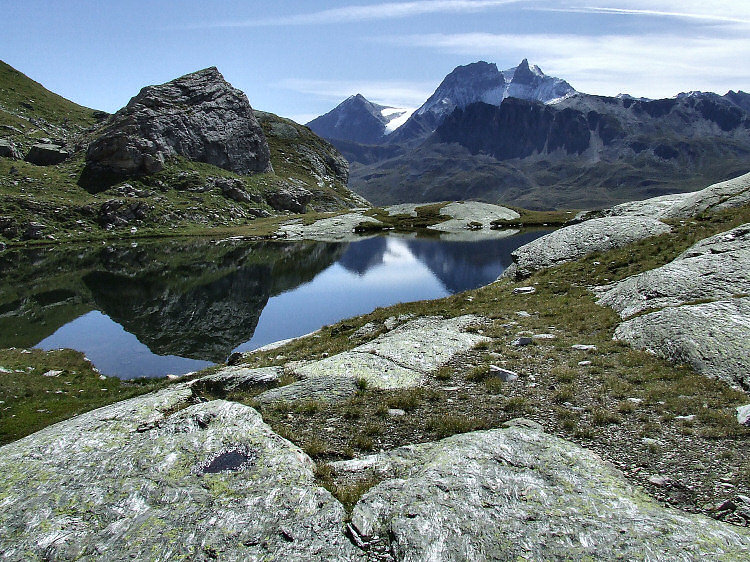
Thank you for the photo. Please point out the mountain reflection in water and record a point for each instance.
(171, 307)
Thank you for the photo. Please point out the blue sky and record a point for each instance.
(300, 58)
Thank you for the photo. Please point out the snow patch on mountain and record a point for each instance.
(395, 117)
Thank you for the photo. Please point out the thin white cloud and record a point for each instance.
(643, 65)
(385, 92)
(371, 12)
(729, 11)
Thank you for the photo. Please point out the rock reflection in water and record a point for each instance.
(198, 300)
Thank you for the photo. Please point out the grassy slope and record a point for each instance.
(30, 401)
(22, 99)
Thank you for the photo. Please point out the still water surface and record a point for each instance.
(176, 306)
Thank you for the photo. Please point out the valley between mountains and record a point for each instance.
(590, 404)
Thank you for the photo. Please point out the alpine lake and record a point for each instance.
(150, 308)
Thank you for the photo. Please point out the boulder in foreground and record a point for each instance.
(160, 478)
(520, 494)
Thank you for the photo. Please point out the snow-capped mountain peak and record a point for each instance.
(360, 120)
(482, 81)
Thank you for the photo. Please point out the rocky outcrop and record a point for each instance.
(199, 116)
(238, 377)
(725, 195)
(318, 157)
(520, 494)
(9, 150)
(399, 359)
(715, 268)
(233, 188)
(574, 242)
(472, 214)
(157, 477)
(46, 154)
(332, 229)
(711, 337)
(719, 196)
(117, 212)
(289, 197)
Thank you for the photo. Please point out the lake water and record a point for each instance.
(174, 306)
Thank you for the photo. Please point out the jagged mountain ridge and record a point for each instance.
(584, 151)
(359, 120)
(599, 127)
(481, 82)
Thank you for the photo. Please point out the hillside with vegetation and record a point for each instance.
(46, 193)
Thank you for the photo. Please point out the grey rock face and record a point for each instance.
(459, 214)
(116, 212)
(654, 208)
(519, 493)
(199, 116)
(743, 414)
(133, 482)
(334, 229)
(715, 268)
(576, 241)
(9, 150)
(323, 388)
(239, 377)
(398, 359)
(291, 197)
(45, 154)
(233, 189)
(711, 337)
(725, 195)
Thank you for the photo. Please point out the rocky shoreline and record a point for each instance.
(190, 471)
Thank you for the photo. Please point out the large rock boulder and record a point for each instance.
(290, 197)
(520, 494)
(199, 116)
(46, 154)
(712, 337)
(574, 242)
(724, 195)
(715, 268)
(160, 478)
(461, 214)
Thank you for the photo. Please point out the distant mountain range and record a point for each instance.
(358, 120)
(523, 138)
